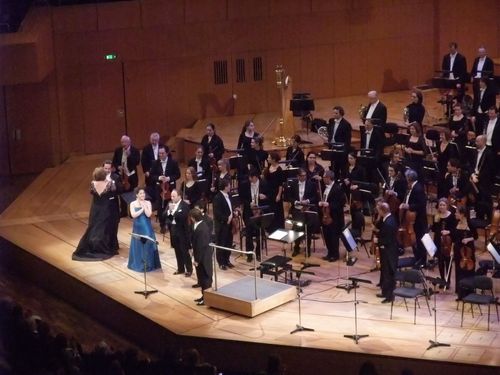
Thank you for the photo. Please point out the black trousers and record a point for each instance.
(388, 268)
(223, 237)
(332, 239)
(179, 241)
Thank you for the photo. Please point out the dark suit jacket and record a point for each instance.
(200, 240)
(418, 203)
(488, 66)
(216, 146)
(461, 184)
(181, 226)
(380, 113)
(148, 157)
(459, 66)
(343, 134)
(487, 170)
(388, 231)
(336, 200)
(132, 163)
(221, 209)
(310, 192)
(400, 187)
(489, 100)
(246, 196)
(495, 139)
(376, 142)
(171, 170)
(297, 156)
(205, 165)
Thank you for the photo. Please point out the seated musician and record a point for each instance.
(213, 146)
(253, 194)
(164, 173)
(415, 111)
(256, 156)
(125, 161)
(443, 225)
(395, 188)
(304, 194)
(314, 170)
(464, 251)
(200, 164)
(294, 153)
(354, 174)
(454, 183)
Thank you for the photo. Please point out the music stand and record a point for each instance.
(350, 245)
(262, 222)
(144, 239)
(493, 250)
(401, 139)
(435, 281)
(291, 173)
(308, 219)
(299, 327)
(287, 236)
(355, 286)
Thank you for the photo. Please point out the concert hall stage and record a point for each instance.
(47, 220)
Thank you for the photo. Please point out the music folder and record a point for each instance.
(494, 252)
(429, 244)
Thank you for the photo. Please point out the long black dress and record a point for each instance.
(98, 240)
(415, 161)
(274, 181)
(443, 156)
(439, 224)
(460, 272)
(460, 127)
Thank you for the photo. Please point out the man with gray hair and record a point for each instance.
(376, 110)
(483, 66)
(150, 154)
(125, 161)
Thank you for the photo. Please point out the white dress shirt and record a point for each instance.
(407, 198)
(254, 189)
(368, 135)
(480, 65)
(452, 62)
(327, 191)
(372, 109)
(302, 189)
(481, 94)
(490, 128)
(479, 155)
(335, 128)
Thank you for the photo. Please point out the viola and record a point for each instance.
(446, 242)
(466, 261)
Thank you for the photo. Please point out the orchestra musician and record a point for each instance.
(492, 132)
(372, 138)
(163, 176)
(415, 111)
(190, 189)
(416, 201)
(484, 99)
(254, 195)
(443, 225)
(354, 174)
(275, 178)
(482, 178)
(304, 194)
(200, 164)
(375, 110)
(395, 158)
(294, 153)
(150, 154)
(244, 143)
(395, 189)
(256, 156)
(339, 131)
(222, 175)
(415, 149)
(313, 169)
(223, 215)
(483, 65)
(445, 151)
(176, 217)
(332, 204)
(386, 239)
(454, 63)
(213, 145)
(125, 161)
(459, 126)
(463, 250)
(455, 182)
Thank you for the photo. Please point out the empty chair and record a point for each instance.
(483, 295)
(408, 289)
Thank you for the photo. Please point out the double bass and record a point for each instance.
(406, 232)
(466, 261)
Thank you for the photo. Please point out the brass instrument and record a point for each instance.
(362, 111)
(406, 114)
(323, 132)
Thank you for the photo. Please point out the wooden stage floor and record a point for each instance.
(49, 217)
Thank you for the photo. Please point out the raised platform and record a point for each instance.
(239, 296)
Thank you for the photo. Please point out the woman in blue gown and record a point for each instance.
(141, 211)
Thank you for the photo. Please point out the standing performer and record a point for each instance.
(190, 190)
(386, 239)
(482, 177)
(454, 64)
(415, 111)
(98, 241)
(375, 110)
(332, 215)
(125, 160)
(463, 250)
(115, 199)
(294, 153)
(213, 145)
(202, 252)
(223, 215)
(275, 178)
(201, 164)
(257, 157)
(143, 256)
(164, 173)
(177, 221)
(339, 131)
(150, 154)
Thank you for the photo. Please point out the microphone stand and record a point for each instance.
(143, 240)
(299, 327)
(435, 343)
(354, 286)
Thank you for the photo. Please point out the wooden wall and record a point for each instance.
(163, 77)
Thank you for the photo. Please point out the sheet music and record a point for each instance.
(429, 244)
(278, 235)
(493, 251)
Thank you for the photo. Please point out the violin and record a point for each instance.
(446, 242)
(466, 261)
(124, 177)
(326, 218)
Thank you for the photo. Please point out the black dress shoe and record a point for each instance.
(380, 295)
(195, 285)
(163, 230)
(295, 252)
(230, 265)
(333, 259)
(178, 273)
(387, 300)
(325, 258)
(378, 285)
(223, 267)
(249, 259)
(199, 299)
(258, 258)
(188, 274)
(201, 303)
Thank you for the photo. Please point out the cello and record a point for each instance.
(406, 232)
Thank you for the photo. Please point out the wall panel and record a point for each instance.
(159, 12)
(4, 136)
(317, 68)
(120, 15)
(74, 19)
(205, 10)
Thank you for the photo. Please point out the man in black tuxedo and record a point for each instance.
(372, 138)
(303, 194)
(389, 254)
(339, 131)
(483, 66)
(125, 161)
(455, 182)
(375, 110)
(492, 132)
(482, 176)
(484, 99)
(416, 201)
(333, 200)
(176, 217)
(164, 170)
(455, 63)
(150, 154)
(223, 215)
(116, 180)
(213, 145)
(201, 164)
(254, 194)
(202, 252)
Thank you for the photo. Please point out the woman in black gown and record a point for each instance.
(445, 151)
(257, 157)
(314, 170)
(275, 178)
(443, 225)
(415, 149)
(190, 190)
(97, 242)
(354, 174)
(463, 251)
(415, 110)
(459, 126)
(244, 144)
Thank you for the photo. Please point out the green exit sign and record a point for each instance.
(110, 56)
